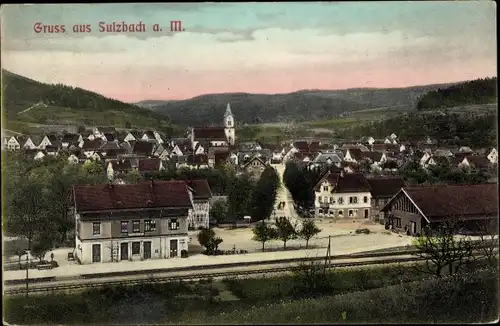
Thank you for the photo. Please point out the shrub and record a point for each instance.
(54, 263)
(184, 253)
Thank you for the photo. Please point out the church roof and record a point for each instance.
(228, 111)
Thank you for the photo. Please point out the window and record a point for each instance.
(149, 226)
(332, 201)
(325, 188)
(341, 200)
(96, 228)
(136, 226)
(351, 213)
(341, 213)
(353, 200)
(398, 222)
(124, 226)
(365, 199)
(319, 199)
(331, 212)
(136, 248)
(174, 224)
(320, 211)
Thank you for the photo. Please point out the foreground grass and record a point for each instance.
(472, 298)
(390, 294)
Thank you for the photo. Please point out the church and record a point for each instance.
(216, 136)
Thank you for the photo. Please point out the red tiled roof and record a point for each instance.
(92, 144)
(197, 159)
(144, 148)
(153, 194)
(385, 187)
(149, 164)
(478, 161)
(455, 200)
(345, 182)
(212, 133)
(201, 189)
(356, 153)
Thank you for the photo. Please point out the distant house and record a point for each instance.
(69, 139)
(254, 167)
(353, 155)
(143, 148)
(132, 136)
(199, 215)
(12, 144)
(194, 161)
(342, 195)
(382, 190)
(150, 165)
(414, 209)
(493, 156)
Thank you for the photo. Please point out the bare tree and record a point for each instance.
(311, 278)
(488, 241)
(440, 248)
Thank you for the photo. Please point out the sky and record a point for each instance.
(251, 47)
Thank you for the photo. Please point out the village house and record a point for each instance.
(12, 143)
(342, 195)
(131, 222)
(69, 139)
(493, 156)
(150, 165)
(413, 209)
(199, 214)
(382, 190)
(254, 167)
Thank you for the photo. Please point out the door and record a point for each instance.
(413, 227)
(96, 253)
(124, 251)
(147, 249)
(173, 248)
(366, 213)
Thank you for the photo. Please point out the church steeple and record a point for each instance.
(228, 111)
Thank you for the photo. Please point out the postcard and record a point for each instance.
(258, 163)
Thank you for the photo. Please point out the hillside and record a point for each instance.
(479, 91)
(26, 101)
(305, 105)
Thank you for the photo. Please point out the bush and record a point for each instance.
(364, 230)
(184, 253)
(54, 263)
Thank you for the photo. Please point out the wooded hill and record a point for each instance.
(62, 104)
(479, 91)
(305, 105)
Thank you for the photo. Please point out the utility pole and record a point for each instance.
(327, 257)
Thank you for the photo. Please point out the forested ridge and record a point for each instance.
(479, 91)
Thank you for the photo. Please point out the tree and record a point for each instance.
(239, 197)
(440, 249)
(41, 244)
(208, 239)
(132, 177)
(308, 230)
(263, 233)
(488, 241)
(218, 211)
(300, 183)
(27, 213)
(264, 195)
(285, 230)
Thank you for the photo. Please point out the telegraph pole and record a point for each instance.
(327, 257)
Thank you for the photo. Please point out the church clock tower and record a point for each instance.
(229, 125)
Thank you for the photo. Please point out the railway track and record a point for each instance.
(197, 276)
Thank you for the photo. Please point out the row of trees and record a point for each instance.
(246, 197)
(300, 182)
(285, 231)
(462, 129)
(38, 198)
(415, 174)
